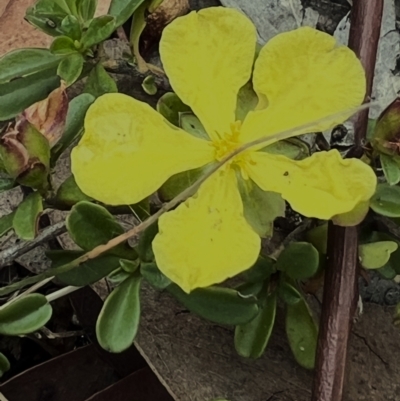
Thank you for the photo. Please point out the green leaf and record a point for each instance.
(68, 194)
(19, 94)
(260, 208)
(99, 29)
(144, 248)
(63, 45)
(392, 267)
(4, 364)
(70, 68)
(386, 200)
(117, 276)
(129, 266)
(249, 289)
(26, 216)
(387, 272)
(376, 254)
(299, 260)
(302, 333)
(192, 125)
(391, 169)
(252, 338)
(260, 271)
(6, 223)
(288, 293)
(318, 237)
(71, 27)
(169, 106)
(74, 124)
(149, 85)
(88, 272)
(6, 183)
(91, 225)
(179, 182)
(99, 82)
(371, 128)
(218, 304)
(118, 321)
(86, 8)
(141, 210)
(25, 315)
(48, 15)
(153, 275)
(293, 148)
(247, 100)
(122, 10)
(21, 62)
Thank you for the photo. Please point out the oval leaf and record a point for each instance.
(4, 364)
(63, 45)
(153, 275)
(386, 200)
(318, 237)
(376, 254)
(217, 304)
(70, 68)
(88, 272)
(6, 223)
(99, 82)
(21, 62)
(302, 333)
(260, 208)
(98, 30)
(391, 169)
(252, 338)
(179, 182)
(19, 94)
(74, 124)
(68, 194)
(86, 8)
(289, 293)
(260, 271)
(25, 315)
(27, 215)
(169, 105)
(118, 321)
(123, 9)
(299, 260)
(90, 225)
(71, 27)
(144, 248)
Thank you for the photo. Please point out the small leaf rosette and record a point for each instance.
(129, 150)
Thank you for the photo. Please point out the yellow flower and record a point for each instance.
(129, 150)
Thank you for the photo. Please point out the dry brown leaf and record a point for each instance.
(49, 115)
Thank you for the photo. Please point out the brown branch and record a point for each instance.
(338, 307)
(341, 289)
(366, 18)
(19, 249)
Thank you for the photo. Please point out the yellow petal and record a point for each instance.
(208, 56)
(303, 76)
(206, 239)
(128, 151)
(322, 186)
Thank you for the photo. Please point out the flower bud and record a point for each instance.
(25, 153)
(386, 138)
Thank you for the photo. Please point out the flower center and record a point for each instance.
(228, 143)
